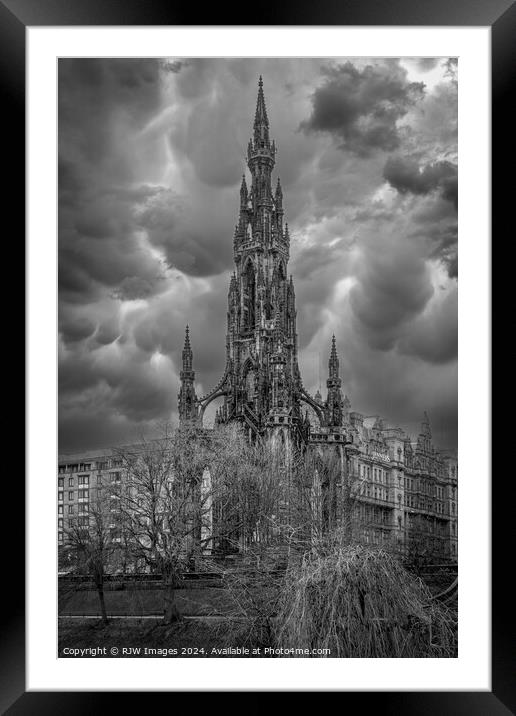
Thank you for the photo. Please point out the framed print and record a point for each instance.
(248, 440)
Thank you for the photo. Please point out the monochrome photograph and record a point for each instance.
(257, 357)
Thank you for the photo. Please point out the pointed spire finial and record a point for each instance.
(243, 191)
(261, 121)
(187, 336)
(187, 351)
(425, 425)
(333, 363)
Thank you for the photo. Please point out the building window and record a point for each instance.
(70, 509)
(60, 496)
(83, 508)
(84, 494)
(60, 536)
(60, 522)
(60, 509)
(70, 494)
(84, 480)
(115, 477)
(70, 482)
(60, 482)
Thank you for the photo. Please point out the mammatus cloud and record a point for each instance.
(436, 220)
(151, 154)
(362, 108)
(406, 176)
(393, 287)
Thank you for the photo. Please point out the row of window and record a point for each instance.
(376, 491)
(424, 486)
(82, 508)
(84, 480)
(82, 494)
(416, 502)
(88, 466)
(377, 474)
(75, 467)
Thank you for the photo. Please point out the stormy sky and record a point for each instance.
(151, 154)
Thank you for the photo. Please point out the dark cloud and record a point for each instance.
(435, 224)
(425, 64)
(393, 287)
(151, 154)
(433, 338)
(102, 104)
(134, 287)
(76, 329)
(362, 107)
(181, 231)
(406, 176)
(108, 331)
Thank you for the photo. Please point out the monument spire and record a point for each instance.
(261, 121)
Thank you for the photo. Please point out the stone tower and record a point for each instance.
(261, 384)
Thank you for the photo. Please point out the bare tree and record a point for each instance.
(91, 542)
(324, 494)
(167, 501)
(249, 489)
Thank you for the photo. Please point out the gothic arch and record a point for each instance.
(206, 401)
(245, 266)
(249, 364)
(303, 396)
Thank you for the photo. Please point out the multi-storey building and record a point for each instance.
(400, 492)
(79, 479)
(404, 492)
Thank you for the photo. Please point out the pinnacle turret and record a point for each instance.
(187, 398)
(187, 352)
(425, 426)
(333, 363)
(243, 192)
(334, 399)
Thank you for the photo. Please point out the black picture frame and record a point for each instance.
(500, 15)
